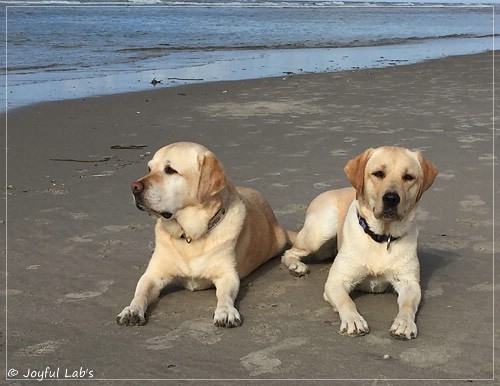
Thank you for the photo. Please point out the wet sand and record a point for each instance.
(77, 245)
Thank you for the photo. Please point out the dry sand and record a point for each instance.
(77, 245)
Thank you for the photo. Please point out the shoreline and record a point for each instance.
(233, 65)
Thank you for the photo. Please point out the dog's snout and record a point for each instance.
(137, 187)
(391, 199)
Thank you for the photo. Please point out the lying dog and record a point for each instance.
(208, 232)
(372, 226)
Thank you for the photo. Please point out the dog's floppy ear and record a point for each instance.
(429, 172)
(212, 178)
(355, 170)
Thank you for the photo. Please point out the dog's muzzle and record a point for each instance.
(138, 190)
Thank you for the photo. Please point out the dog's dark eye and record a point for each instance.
(170, 170)
(149, 169)
(408, 177)
(379, 174)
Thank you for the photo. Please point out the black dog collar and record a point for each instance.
(376, 237)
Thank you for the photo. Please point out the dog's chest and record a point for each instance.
(379, 261)
(192, 267)
(196, 266)
(391, 265)
(192, 274)
(382, 261)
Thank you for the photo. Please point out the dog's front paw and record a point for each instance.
(298, 268)
(354, 325)
(227, 317)
(403, 329)
(131, 316)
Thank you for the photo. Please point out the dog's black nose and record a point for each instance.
(391, 199)
(137, 187)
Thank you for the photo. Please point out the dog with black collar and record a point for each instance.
(372, 227)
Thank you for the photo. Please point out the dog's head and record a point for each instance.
(180, 175)
(390, 181)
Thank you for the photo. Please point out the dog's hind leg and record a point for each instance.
(320, 228)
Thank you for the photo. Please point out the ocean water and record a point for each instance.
(72, 49)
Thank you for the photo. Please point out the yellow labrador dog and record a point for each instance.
(372, 225)
(208, 232)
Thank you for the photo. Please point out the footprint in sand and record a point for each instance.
(487, 157)
(349, 139)
(486, 247)
(339, 153)
(103, 286)
(201, 331)
(434, 290)
(484, 287)
(40, 349)
(291, 208)
(429, 357)
(446, 175)
(473, 203)
(79, 239)
(78, 216)
(322, 185)
(469, 139)
(265, 361)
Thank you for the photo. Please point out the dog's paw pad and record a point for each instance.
(131, 316)
(227, 317)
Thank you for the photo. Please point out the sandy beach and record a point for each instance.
(76, 244)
